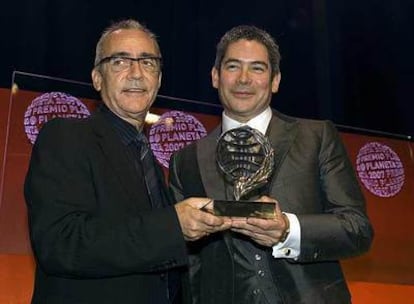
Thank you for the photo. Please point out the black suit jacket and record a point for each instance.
(314, 179)
(93, 232)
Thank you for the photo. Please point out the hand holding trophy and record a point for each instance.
(246, 158)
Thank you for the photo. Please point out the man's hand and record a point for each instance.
(196, 223)
(266, 232)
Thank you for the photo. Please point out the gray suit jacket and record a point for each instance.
(314, 179)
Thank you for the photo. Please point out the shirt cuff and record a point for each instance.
(290, 248)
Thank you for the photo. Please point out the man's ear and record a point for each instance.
(159, 80)
(215, 77)
(276, 82)
(96, 79)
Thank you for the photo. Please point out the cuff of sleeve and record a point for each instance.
(290, 248)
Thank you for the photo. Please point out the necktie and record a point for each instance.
(149, 171)
(158, 200)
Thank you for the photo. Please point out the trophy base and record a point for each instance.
(244, 209)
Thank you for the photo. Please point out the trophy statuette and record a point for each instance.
(246, 159)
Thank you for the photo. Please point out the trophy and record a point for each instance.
(245, 157)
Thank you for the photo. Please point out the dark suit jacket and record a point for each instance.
(93, 232)
(313, 178)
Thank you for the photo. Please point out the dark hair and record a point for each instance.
(126, 25)
(249, 32)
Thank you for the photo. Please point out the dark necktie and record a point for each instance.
(149, 170)
(157, 199)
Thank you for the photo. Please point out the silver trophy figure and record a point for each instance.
(246, 158)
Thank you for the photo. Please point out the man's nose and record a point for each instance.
(135, 70)
(244, 76)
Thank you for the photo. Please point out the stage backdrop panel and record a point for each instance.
(390, 208)
(384, 166)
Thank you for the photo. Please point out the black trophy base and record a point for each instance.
(244, 209)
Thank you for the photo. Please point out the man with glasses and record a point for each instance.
(102, 227)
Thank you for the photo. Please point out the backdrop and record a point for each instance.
(385, 169)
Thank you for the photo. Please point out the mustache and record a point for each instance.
(135, 85)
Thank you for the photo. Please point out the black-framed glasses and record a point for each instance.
(122, 63)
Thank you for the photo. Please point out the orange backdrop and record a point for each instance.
(384, 275)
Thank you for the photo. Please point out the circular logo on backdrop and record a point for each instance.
(380, 169)
(48, 106)
(173, 131)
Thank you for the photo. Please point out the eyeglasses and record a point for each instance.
(150, 64)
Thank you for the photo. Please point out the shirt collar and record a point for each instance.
(126, 131)
(259, 122)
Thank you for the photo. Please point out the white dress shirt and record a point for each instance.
(290, 248)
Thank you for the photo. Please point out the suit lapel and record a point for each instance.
(211, 177)
(281, 133)
(115, 155)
